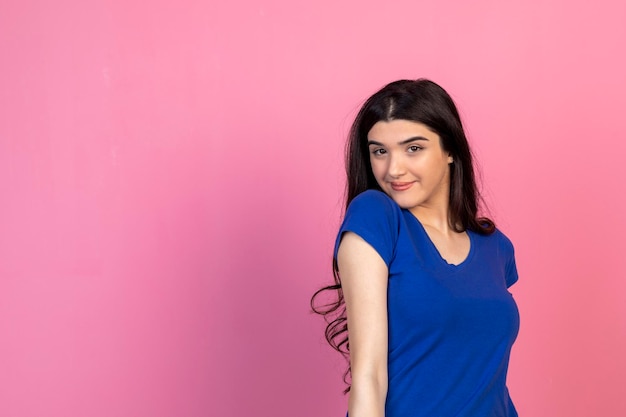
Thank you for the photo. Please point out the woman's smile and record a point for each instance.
(401, 186)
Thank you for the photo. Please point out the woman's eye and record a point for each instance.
(378, 152)
(414, 148)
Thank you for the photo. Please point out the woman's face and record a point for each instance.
(409, 164)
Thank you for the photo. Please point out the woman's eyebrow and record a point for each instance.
(404, 142)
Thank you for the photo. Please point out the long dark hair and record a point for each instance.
(421, 101)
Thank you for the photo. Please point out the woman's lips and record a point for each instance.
(400, 186)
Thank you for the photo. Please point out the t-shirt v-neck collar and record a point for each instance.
(440, 260)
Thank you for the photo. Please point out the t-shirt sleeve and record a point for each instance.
(509, 256)
(375, 218)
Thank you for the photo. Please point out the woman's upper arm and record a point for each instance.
(364, 277)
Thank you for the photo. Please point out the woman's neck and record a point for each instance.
(435, 217)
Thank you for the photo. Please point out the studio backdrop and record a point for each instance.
(171, 180)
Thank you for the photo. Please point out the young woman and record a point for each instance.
(421, 280)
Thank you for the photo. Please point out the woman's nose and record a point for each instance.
(396, 166)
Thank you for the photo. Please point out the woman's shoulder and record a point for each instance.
(375, 217)
(373, 199)
(499, 238)
(503, 238)
(374, 210)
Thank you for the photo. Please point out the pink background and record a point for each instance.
(171, 177)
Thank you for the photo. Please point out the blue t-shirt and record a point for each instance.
(451, 327)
